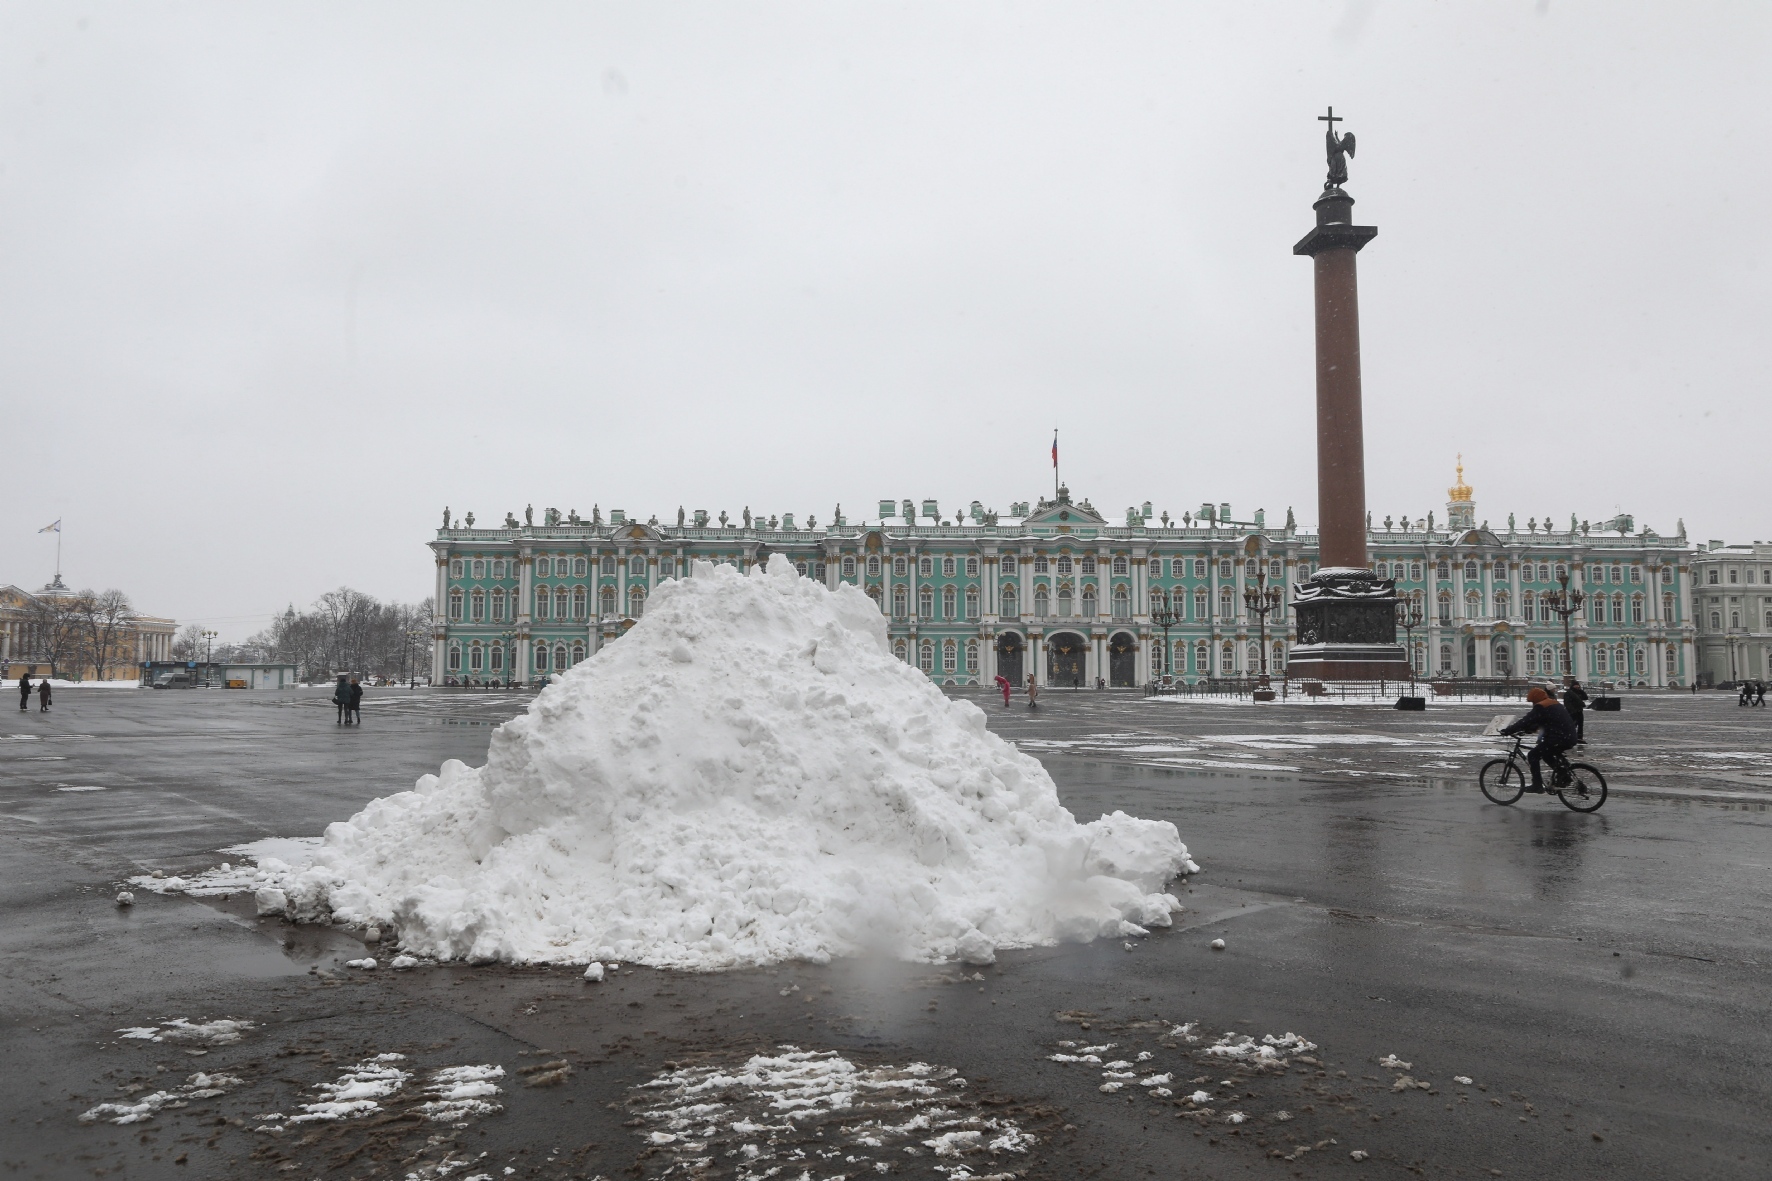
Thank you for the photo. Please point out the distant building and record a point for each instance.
(1056, 590)
(25, 615)
(1733, 611)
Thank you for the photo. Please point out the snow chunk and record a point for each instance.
(594, 971)
(789, 791)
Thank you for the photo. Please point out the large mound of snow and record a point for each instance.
(747, 776)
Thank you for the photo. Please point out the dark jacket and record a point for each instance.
(1575, 699)
(1552, 719)
(341, 694)
(43, 689)
(356, 696)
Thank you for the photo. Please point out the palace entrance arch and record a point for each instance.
(1064, 659)
(1123, 660)
(1010, 650)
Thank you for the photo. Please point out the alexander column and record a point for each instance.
(1347, 628)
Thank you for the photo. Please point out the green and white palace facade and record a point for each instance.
(1057, 591)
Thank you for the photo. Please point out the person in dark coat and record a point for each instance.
(1747, 693)
(1575, 701)
(1556, 731)
(1760, 694)
(24, 690)
(341, 697)
(356, 706)
(43, 695)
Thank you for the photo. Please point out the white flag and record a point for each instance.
(53, 528)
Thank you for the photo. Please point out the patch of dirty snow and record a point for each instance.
(197, 1086)
(786, 1113)
(223, 1031)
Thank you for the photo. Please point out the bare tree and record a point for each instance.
(102, 620)
(54, 624)
(188, 644)
(348, 631)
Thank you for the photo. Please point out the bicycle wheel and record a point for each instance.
(1586, 789)
(1502, 780)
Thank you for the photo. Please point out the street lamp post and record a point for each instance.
(1566, 602)
(1166, 617)
(1409, 618)
(1262, 598)
(208, 652)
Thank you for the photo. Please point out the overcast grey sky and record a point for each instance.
(278, 282)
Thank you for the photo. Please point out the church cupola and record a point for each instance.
(1461, 510)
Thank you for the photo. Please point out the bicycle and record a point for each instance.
(1580, 786)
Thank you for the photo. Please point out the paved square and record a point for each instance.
(1600, 980)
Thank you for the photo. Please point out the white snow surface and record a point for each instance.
(747, 776)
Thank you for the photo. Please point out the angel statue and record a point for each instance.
(1339, 148)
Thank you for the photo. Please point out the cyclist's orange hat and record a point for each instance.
(1536, 695)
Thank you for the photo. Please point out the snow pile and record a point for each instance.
(747, 776)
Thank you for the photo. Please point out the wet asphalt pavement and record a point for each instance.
(1600, 980)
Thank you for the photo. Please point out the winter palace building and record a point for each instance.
(1056, 590)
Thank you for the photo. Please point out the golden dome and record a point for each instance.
(1460, 492)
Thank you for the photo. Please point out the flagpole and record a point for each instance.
(1054, 463)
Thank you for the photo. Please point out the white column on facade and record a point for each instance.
(915, 585)
(1141, 608)
(621, 580)
(1458, 612)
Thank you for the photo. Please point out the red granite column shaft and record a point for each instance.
(1341, 451)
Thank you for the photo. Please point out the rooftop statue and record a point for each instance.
(529, 514)
(445, 516)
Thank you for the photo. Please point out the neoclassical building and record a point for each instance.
(1057, 591)
(1732, 588)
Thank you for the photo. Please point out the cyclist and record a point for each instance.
(1556, 731)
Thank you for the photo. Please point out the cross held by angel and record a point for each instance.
(1338, 147)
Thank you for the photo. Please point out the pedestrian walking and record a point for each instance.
(1747, 693)
(1003, 684)
(341, 697)
(356, 707)
(43, 695)
(1033, 692)
(24, 690)
(1575, 701)
(1760, 694)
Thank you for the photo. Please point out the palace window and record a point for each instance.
(873, 566)
(948, 568)
(1716, 621)
(475, 657)
(1445, 658)
(543, 566)
(950, 655)
(1473, 605)
(1200, 603)
(1089, 602)
(1224, 568)
(1119, 564)
(479, 569)
(606, 601)
(498, 605)
(560, 664)
(1667, 576)
(1009, 563)
(498, 658)
(1009, 607)
(1087, 566)
(580, 567)
(1596, 574)
(898, 649)
(900, 603)
(800, 569)
(1667, 608)
(1618, 609)
(578, 653)
(1734, 619)
(1064, 565)
(972, 567)
(949, 603)
(1501, 604)
(1199, 567)
(1042, 605)
(1224, 602)
(925, 566)
(454, 659)
(1445, 570)
(1711, 577)
(972, 602)
(637, 566)
(972, 655)
(1228, 657)
(541, 658)
(1470, 572)
(1122, 604)
(636, 601)
(581, 603)
(1276, 570)
(455, 605)
(1041, 566)
(926, 656)
(1636, 609)
(1528, 604)
(1531, 660)
(1202, 659)
(926, 603)
(1597, 611)
(879, 603)
(477, 605)
(848, 567)
(667, 567)
(1617, 574)
(820, 571)
(1445, 606)
(900, 567)
(1672, 667)
(1065, 602)
(455, 569)
(1636, 574)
